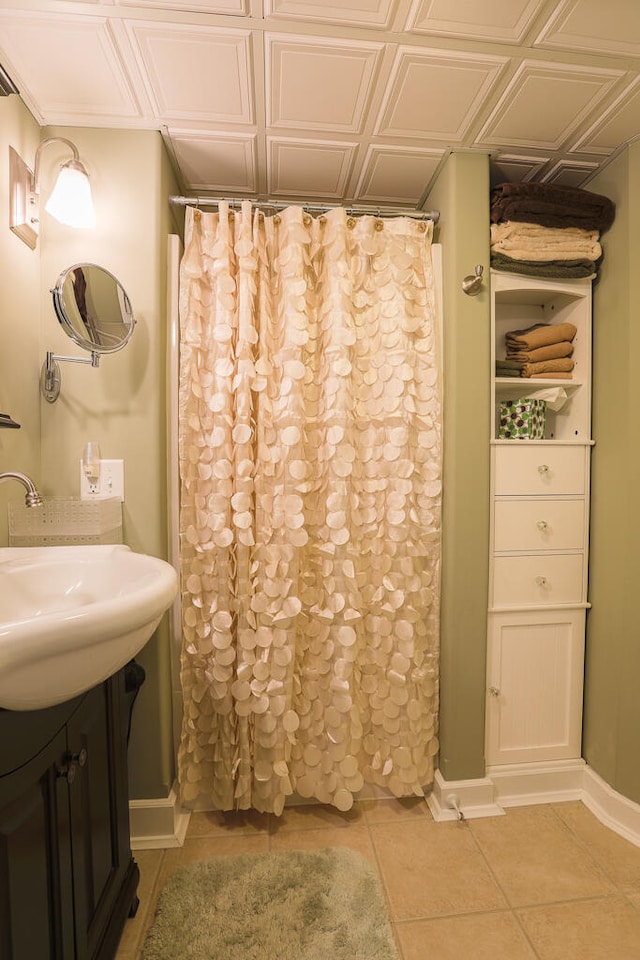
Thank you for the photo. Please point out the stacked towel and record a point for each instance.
(530, 241)
(546, 230)
(551, 206)
(542, 351)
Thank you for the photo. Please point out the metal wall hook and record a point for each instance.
(472, 284)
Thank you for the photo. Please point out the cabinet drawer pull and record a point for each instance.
(543, 469)
(542, 526)
(494, 691)
(542, 581)
(66, 771)
(80, 758)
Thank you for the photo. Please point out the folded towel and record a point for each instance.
(551, 269)
(509, 363)
(507, 373)
(532, 242)
(536, 232)
(551, 205)
(561, 365)
(551, 376)
(533, 253)
(564, 348)
(540, 335)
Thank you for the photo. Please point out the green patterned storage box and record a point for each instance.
(522, 419)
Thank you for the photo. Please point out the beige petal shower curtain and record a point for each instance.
(310, 464)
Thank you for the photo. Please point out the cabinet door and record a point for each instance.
(534, 696)
(35, 864)
(105, 875)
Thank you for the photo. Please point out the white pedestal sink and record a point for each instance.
(72, 616)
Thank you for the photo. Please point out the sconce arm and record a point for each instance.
(35, 180)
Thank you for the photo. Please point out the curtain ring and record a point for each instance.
(197, 215)
(351, 222)
(379, 225)
(422, 226)
(322, 220)
(276, 219)
(307, 220)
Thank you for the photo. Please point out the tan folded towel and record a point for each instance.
(520, 228)
(551, 376)
(530, 241)
(561, 365)
(562, 349)
(540, 335)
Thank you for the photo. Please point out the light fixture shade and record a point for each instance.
(71, 201)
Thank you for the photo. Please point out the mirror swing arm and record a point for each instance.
(51, 376)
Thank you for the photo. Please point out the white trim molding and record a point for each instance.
(158, 822)
(514, 785)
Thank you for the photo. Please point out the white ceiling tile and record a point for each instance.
(545, 103)
(569, 173)
(308, 168)
(396, 174)
(361, 13)
(488, 20)
(611, 27)
(239, 7)
(69, 70)
(318, 84)
(617, 125)
(216, 161)
(514, 168)
(196, 72)
(434, 94)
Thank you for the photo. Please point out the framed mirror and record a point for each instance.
(93, 308)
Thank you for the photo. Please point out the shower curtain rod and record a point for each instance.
(315, 207)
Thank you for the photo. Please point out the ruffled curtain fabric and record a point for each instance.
(310, 461)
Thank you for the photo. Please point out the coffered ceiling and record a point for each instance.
(338, 100)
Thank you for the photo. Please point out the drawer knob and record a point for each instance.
(494, 691)
(542, 526)
(543, 469)
(542, 581)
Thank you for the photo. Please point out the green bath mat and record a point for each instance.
(314, 905)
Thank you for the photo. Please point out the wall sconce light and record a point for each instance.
(70, 201)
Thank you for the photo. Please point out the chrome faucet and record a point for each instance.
(32, 497)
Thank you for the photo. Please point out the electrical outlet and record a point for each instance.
(110, 483)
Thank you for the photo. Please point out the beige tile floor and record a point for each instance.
(541, 883)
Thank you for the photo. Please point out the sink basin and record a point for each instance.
(72, 616)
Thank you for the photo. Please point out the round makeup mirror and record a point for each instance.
(95, 311)
(93, 308)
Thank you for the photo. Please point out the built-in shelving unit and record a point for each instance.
(539, 537)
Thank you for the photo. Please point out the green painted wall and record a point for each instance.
(462, 195)
(19, 319)
(120, 404)
(612, 676)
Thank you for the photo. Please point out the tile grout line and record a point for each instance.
(511, 907)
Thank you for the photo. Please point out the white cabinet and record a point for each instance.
(539, 537)
(534, 706)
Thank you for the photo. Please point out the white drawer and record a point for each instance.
(540, 524)
(543, 580)
(527, 468)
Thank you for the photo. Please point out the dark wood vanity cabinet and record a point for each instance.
(68, 880)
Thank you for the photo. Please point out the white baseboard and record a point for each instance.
(514, 785)
(471, 798)
(611, 808)
(157, 822)
(521, 784)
